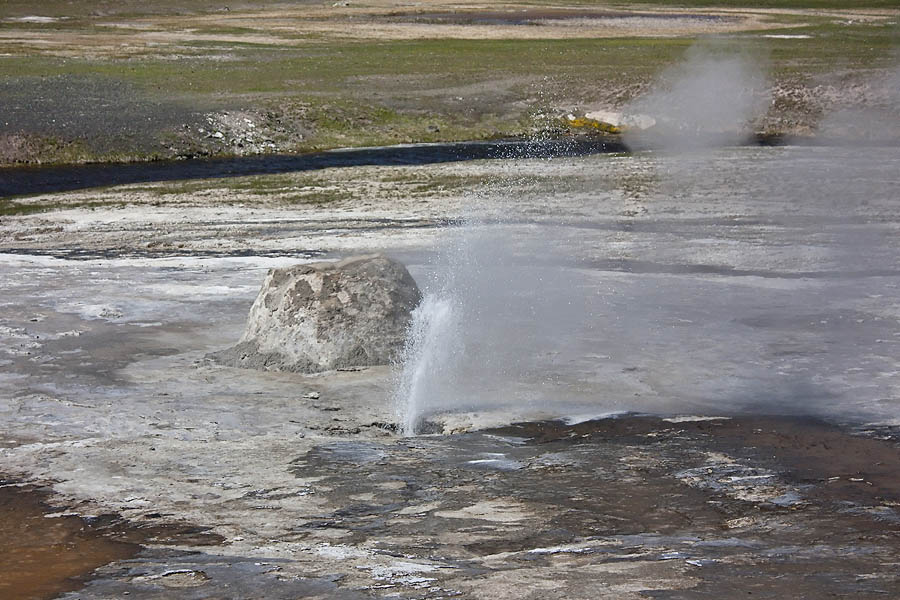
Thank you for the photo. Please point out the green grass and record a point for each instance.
(359, 68)
(130, 8)
(782, 4)
(349, 93)
(316, 187)
(125, 8)
(365, 69)
(9, 207)
(352, 93)
(833, 47)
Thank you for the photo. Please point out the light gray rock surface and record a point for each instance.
(322, 316)
(753, 279)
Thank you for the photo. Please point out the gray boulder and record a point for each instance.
(322, 316)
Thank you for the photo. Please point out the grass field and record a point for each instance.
(87, 8)
(134, 80)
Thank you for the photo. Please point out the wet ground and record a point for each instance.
(50, 550)
(759, 505)
(677, 508)
(746, 299)
(43, 556)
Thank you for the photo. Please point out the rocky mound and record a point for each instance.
(322, 316)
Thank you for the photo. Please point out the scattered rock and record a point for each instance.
(323, 316)
(183, 578)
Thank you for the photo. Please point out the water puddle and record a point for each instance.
(44, 555)
(47, 552)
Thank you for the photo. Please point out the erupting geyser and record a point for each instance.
(709, 279)
(431, 348)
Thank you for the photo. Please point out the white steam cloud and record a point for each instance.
(735, 280)
(708, 100)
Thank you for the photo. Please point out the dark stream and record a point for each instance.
(42, 180)
(538, 16)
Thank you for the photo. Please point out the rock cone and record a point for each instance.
(322, 316)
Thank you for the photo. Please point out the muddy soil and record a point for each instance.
(41, 556)
(49, 550)
(707, 506)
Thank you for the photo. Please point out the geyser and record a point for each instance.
(708, 100)
(431, 349)
(499, 311)
(719, 280)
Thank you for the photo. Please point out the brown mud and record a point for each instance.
(45, 554)
(47, 551)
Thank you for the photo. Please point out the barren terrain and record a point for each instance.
(299, 485)
(678, 378)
